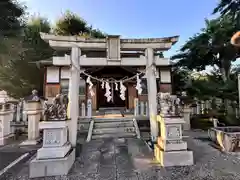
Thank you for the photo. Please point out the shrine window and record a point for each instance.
(82, 87)
(144, 86)
(64, 85)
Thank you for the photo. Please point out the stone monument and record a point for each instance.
(6, 115)
(170, 149)
(56, 156)
(33, 110)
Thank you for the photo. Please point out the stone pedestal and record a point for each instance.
(6, 115)
(34, 112)
(56, 156)
(170, 149)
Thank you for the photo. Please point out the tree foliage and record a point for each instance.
(10, 21)
(230, 8)
(210, 47)
(181, 79)
(72, 24)
(19, 76)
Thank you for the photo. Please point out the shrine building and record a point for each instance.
(88, 64)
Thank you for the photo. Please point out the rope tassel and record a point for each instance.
(139, 86)
(102, 85)
(90, 86)
(122, 91)
(116, 86)
(108, 92)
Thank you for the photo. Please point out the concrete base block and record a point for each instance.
(173, 158)
(6, 139)
(53, 152)
(51, 167)
(172, 145)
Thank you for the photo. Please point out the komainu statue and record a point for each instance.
(58, 109)
(33, 97)
(164, 103)
(168, 104)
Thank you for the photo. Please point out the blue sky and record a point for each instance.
(134, 18)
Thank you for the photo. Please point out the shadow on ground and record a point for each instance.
(122, 159)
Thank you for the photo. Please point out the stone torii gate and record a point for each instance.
(113, 46)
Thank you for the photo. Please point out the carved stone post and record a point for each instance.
(186, 116)
(6, 113)
(136, 107)
(198, 108)
(142, 108)
(147, 109)
(89, 108)
(34, 113)
(18, 113)
(24, 113)
(83, 109)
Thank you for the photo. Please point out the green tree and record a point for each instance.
(229, 7)
(72, 24)
(181, 79)
(20, 75)
(210, 47)
(10, 21)
(11, 26)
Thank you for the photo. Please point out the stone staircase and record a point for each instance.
(116, 127)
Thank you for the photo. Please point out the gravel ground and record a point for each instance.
(121, 159)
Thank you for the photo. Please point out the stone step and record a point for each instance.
(121, 130)
(113, 124)
(122, 135)
(102, 120)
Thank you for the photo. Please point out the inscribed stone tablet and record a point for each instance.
(173, 132)
(52, 137)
